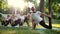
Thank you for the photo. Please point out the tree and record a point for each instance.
(3, 6)
(42, 10)
(42, 6)
(50, 21)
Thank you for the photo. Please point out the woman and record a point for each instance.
(6, 20)
(14, 20)
(36, 18)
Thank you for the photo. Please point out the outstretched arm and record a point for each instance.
(46, 15)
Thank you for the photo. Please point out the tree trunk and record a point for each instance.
(50, 21)
(42, 7)
(42, 10)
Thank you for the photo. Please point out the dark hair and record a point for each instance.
(32, 8)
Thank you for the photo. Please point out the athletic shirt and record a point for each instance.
(36, 17)
(22, 18)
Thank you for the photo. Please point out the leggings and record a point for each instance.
(42, 23)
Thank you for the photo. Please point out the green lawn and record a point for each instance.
(14, 30)
(27, 30)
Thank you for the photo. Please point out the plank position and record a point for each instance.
(36, 18)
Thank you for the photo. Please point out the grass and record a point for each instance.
(9, 30)
(26, 30)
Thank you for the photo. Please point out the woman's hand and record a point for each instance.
(50, 16)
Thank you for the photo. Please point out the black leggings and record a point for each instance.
(5, 23)
(16, 23)
(42, 23)
(26, 20)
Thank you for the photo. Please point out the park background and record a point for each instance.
(46, 6)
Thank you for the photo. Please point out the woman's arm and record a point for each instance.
(43, 14)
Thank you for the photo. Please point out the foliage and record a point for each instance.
(55, 8)
(3, 6)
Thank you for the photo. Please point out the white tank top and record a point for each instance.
(36, 17)
(22, 18)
